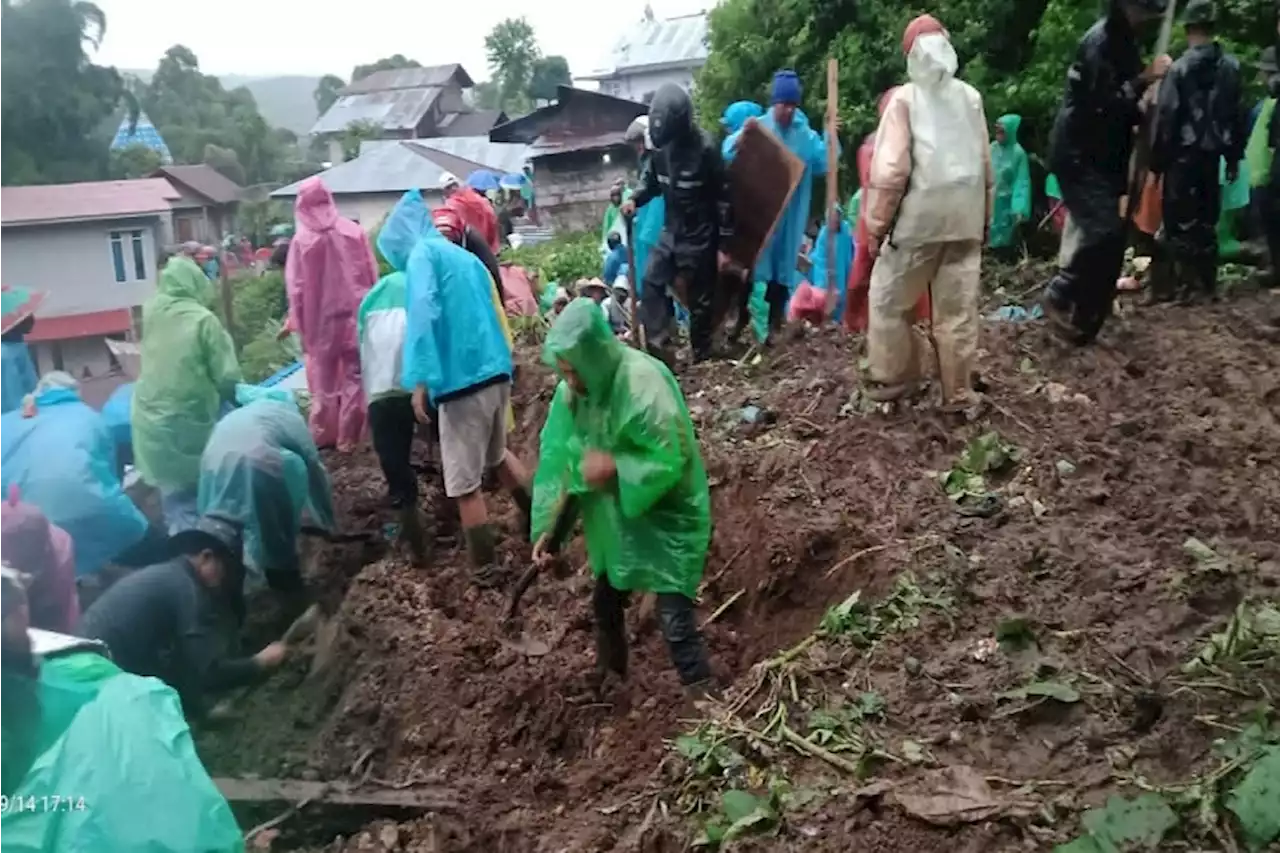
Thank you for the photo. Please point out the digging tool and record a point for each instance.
(525, 644)
(833, 193)
(637, 330)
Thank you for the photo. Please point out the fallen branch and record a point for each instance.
(856, 555)
(284, 815)
(723, 607)
(812, 749)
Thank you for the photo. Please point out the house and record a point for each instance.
(93, 248)
(205, 209)
(366, 188)
(576, 145)
(651, 53)
(408, 103)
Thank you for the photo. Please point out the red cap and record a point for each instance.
(921, 26)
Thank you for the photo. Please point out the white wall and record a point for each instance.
(635, 87)
(74, 264)
(77, 354)
(369, 208)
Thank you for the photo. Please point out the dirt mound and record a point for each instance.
(1124, 452)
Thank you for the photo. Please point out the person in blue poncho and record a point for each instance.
(777, 264)
(19, 305)
(456, 355)
(62, 457)
(733, 118)
(844, 260)
(615, 260)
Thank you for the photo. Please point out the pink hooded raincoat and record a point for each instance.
(45, 552)
(330, 269)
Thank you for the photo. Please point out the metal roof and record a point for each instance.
(410, 78)
(650, 45)
(392, 109)
(89, 200)
(205, 180)
(386, 166)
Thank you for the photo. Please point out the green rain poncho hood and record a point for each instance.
(650, 529)
(1013, 183)
(189, 367)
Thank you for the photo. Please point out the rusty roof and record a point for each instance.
(89, 200)
(205, 180)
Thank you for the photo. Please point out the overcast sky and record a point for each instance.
(268, 37)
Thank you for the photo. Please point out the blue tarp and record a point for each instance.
(483, 180)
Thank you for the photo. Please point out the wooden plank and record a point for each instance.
(421, 798)
(763, 176)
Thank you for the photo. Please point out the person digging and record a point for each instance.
(618, 449)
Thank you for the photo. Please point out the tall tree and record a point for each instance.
(512, 50)
(54, 101)
(390, 63)
(548, 73)
(327, 89)
(135, 161)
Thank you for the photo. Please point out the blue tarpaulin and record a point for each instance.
(483, 180)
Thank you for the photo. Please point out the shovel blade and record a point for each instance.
(528, 646)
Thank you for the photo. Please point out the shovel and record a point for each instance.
(566, 515)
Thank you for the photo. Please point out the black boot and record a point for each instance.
(524, 502)
(411, 531)
(483, 551)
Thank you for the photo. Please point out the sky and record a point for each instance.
(271, 37)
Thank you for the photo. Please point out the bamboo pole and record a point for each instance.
(833, 169)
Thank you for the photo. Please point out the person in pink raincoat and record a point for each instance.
(45, 553)
(329, 270)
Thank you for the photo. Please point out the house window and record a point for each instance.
(139, 263)
(117, 255)
(130, 242)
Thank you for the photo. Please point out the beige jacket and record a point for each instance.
(931, 177)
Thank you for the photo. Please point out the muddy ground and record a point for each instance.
(1165, 432)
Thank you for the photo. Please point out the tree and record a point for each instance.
(487, 95)
(136, 161)
(512, 50)
(390, 63)
(327, 89)
(54, 101)
(226, 161)
(548, 73)
(354, 134)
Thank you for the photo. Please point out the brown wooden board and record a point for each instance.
(763, 175)
(425, 798)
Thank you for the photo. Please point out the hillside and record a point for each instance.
(283, 101)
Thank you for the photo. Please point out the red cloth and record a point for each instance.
(807, 303)
(33, 545)
(448, 222)
(921, 26)
(859, 286)
(475, 210)
(517, 291)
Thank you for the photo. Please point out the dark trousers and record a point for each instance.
(1192, 202)
(678, 624)
(1085, 284)
(777, 296)
(691, 277)
(392, 423)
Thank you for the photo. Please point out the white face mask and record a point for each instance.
(932, 59)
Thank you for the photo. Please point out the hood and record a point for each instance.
(932, 60)
(736, 115)
(182, 278)
(27, 536)
(670, 115)
(403, 229)
(1011, 123)
(582, 337)
(314, 207)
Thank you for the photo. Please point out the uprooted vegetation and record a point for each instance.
(1055, 625)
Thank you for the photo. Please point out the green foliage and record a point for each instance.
(741, 813)
(520, 72)
(1252, 633)
(548, 73)
(257, 218)
(862, 624)
(389, 63)
(1124, 825)
(55, 104)
(326, 92)
(986, 454)
(355, 133)
(136, 161)
(563, 260)
(256, 302)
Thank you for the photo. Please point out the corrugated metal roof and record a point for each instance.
(398, 109)
(394, 167)
(656, 44)
(409, 78)
(502, 157)
(89, 324)
(474, 123)
(204, 179)
(88, 200)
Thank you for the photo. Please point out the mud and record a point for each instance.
(1170, 428)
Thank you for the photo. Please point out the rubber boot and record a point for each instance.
(482, 549)
(413, 534)
(611, 649)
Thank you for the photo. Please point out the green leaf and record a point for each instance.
(1256, 800)
(740, 804)
(1083, 844)
(1142, 822)
(691, 747)
(871, 704)
(1046, 689)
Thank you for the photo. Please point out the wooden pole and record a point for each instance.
(637, 329)
(833, 169)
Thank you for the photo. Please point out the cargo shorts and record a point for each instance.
(473, 437)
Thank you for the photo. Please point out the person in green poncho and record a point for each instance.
(618, 450)
(611, 214)
(1012, 204)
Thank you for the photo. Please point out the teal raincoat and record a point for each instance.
(649, 529)
(1013, 184)
(189, 368)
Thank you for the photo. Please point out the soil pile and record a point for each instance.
(1120, 455)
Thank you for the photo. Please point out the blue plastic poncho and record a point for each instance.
(454, 339)
(104, 742)
(779, 258)
(19, 374)
(116, 412)
(63, 460)
(262, 470)
(733, 118)
(646, 228)
(844, 262)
